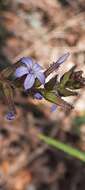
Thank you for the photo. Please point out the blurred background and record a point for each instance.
(44, 30)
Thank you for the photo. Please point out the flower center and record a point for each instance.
(31, 71)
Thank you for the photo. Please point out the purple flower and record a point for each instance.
(53, 107)
(56, 64)
(32, 70)
(63, 58)
(38, 96)
(10, 116)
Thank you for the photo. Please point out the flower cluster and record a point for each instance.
(30, 75)
(34, 70)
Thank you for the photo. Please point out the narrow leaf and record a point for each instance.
(65, 92)
(65, 78)
(63, 147)
(52, 97)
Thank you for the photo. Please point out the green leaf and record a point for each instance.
(65, 92)
(63, 147)
(65, 78)
(79, 120)
(54, 98)
(75, 84)
(72, 80)
(51, 83)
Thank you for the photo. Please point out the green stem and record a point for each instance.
(63, 147)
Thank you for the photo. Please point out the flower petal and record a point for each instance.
(37, 67)
(20, 71)
(27, 61)
(29, 81)
(38, 96)
(53, 107)
(41, 77)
